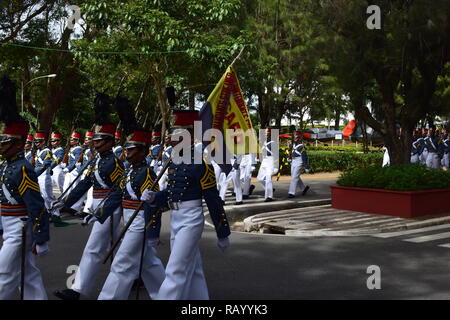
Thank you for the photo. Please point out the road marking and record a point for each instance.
(406, 232)
(430, 237)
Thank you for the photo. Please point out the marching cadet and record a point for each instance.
(118, 149)
(152, 157)
(58, 156)
(299, 161)
(24, 217)
(73, 156)
(27, 148)
(434, 146)
(267, 168)
(417, 147)
(43, 168)
(104, 174)
(446, 146)
(234, 176)
(424, 155)
(247, 167)
(136, 256)
(188, 183)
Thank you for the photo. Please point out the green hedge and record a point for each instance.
(405, 177)
(328, 161)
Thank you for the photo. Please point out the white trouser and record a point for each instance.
(89, 205)
(246, 178)
(445, 160)
(433, 160)
(68, 178)
(126, 264)
(414, 158)
(46, 187)
(58, 178)
(77, 206)
(98, 244)
(233, 176)
(217, 172)
(296, 165)
(185, 279)
(265, 176)
(10, 263)
(423, 157)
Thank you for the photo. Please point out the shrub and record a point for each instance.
(404, 177)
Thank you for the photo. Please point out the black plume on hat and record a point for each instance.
(170, 92)
(8, 105)
(102, 108)
(126, 115)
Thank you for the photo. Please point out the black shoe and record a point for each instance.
(305, 191)
(238, 203)
(291, 196)
(268, 200)
(250, 191)
(67, 294)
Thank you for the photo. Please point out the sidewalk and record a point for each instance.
(312, 214)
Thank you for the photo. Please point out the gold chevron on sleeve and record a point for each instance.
(27, 183)
(148, 182)
(208, 179)
(117, 172)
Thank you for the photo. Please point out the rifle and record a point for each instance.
(135, 213)
(67, 148)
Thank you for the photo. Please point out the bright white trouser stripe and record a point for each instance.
(10, 263)
(185, 279)
(94, 252)
(126, 264)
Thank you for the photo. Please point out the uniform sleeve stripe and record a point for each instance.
(208, 179)
(27, 183)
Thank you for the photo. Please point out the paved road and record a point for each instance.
(261, 266)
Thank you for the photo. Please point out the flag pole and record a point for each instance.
(238, 56)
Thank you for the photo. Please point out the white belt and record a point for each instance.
(185, 204)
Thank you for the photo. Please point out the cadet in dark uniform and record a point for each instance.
(187, 184)
(104, 174)
(127, 262)
(20, 197)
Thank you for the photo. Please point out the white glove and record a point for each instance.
(152, 242)
(66, 170)
(223, 243)
(41, 249)
(57, 205)
(89, 219)
(148, 196)
(63, 165)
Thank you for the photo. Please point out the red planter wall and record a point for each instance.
(405, 204)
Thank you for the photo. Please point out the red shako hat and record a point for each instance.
(138, 138)
(40, 135)
(75, 135)
(56, 136)
(104, 131)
